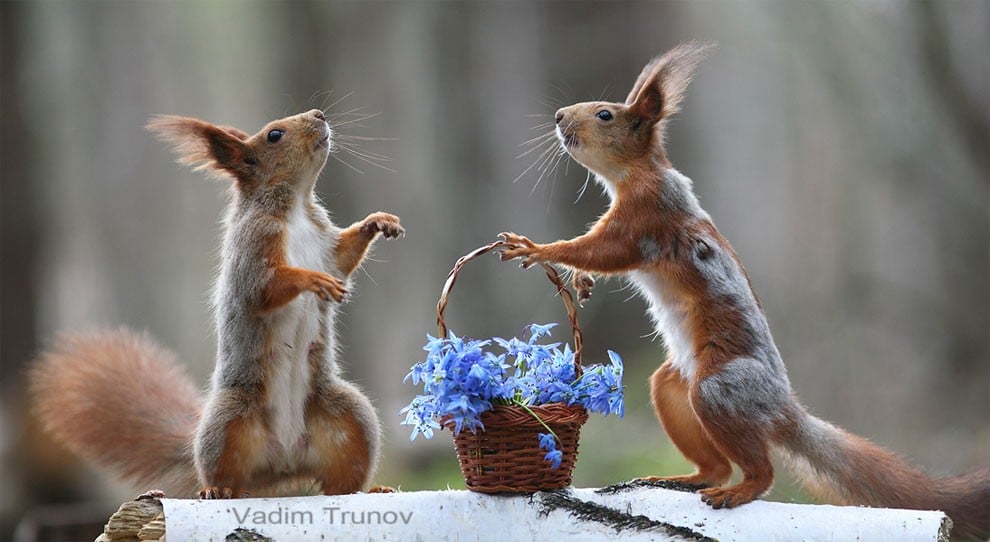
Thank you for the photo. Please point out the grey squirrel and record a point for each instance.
(722, 395)
(277, 407)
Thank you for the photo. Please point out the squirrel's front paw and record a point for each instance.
(517, 246)
(387, 224)
(582, 283)
(327, 287)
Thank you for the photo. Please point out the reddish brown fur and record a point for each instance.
(237, 132)
(625, 150)
(288, 282)
(211, 148)
(721, 334)
(106, 371)
(243, 449)
(352, 247)
(120, 401)
(342, 449)
(607, 247)
(672, 405)
(355, 240)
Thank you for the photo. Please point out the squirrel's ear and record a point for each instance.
(205, 146)
(660, 87)
(239, 134)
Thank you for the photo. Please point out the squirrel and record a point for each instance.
(277, 409)
(722, 395)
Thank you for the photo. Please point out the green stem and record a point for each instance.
(533, 414)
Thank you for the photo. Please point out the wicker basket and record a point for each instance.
(505, 457)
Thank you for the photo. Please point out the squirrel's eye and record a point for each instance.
(275, 135)
(604, 114)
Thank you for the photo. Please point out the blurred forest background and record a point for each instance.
(843, 147)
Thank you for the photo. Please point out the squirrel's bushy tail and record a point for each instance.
(120, 401)
(843, 468)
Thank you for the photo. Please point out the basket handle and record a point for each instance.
(552, 274)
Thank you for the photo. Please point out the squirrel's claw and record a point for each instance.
(382, 489)
(327, 287)
(720, 497)
(515, 240)
(215, 492)
(386, 224)
(517, 246)
(528, 262)
(525, 253)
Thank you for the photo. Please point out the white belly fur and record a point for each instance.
(670, 319)
(296, 326)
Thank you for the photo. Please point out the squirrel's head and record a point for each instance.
(608, 138)
(291, 150)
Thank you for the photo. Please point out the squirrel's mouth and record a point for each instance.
(570, 141)
(323, 143)
(567, 137)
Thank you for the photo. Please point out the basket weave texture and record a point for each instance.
(506, 457)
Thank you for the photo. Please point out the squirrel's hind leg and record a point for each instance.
(229, 444)
(672, 405)
(738, 406)
(345, 438)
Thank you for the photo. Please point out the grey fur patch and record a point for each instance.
(815, 450)
(747, 388)
(727, 282)
(222, 408)
(650, 249)
(678, 195)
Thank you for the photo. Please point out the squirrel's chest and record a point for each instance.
(295, 327)
(671, 318)
(305, 244)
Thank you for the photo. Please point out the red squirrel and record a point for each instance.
(722, 395)
(277, 409)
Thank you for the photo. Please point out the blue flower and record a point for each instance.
(462, 378)
(433, 344)
(554, 457)
(421, 425)
(548, 441)
(536, 331)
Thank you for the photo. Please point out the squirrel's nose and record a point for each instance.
(318, 114)
(559, 117)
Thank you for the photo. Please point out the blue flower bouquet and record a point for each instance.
(515, 407)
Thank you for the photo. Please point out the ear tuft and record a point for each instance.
(660, 87)
(203, 145)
